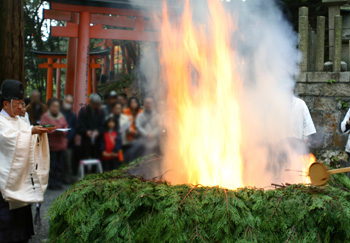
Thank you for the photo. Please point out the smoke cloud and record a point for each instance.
(266, 60)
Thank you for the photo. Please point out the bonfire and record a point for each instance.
(225, 133)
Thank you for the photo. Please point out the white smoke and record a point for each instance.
(266, 44)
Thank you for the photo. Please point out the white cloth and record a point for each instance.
(148, 124)
(24, 162)
(301, 124)
(4, 113)
(25, 118)
(124, 123)
(343, 129)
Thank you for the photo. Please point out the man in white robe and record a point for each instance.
(301, 124)
(24, 166)
(345, 128)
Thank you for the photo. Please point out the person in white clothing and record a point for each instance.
(300, 127)
(24, 114)
(301, 124)
(345, 128)
(24, 166)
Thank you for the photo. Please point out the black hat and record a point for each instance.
(12, 90)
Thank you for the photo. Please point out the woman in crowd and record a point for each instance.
(111, 146)
(57, 142)
(122, 121)
(133, 110)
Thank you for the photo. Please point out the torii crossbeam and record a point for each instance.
(87, 19)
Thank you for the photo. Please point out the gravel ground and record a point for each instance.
(42, 231)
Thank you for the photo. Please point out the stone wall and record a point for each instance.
(328, 97)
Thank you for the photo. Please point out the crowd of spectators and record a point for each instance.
(115, 130)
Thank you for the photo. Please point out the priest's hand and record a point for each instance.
(39, 130)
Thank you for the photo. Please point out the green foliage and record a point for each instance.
(122, 83)
(331, 81)
(120, 86)
(37, 37)
(344, 104)
(118, 207)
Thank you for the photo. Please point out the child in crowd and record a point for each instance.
(111, 146)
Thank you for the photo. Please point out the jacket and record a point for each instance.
(111, 142)
(132, 119)
(57, 140)
(72, 121)
(35, 114)
(89, 120)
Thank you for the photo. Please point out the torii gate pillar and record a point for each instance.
(82, 64)
(58, 80)
(71, 59)
(49, 81)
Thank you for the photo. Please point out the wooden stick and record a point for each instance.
(341, 170)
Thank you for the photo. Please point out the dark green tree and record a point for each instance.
(11, 40)
(37, 37)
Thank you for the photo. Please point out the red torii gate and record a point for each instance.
(85, 20)
(110, 44)
(50, 65)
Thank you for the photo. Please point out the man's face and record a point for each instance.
(23, 109)
(95, 105)
(35, 98)
(112, 101)
(122, 100)
(16, 109)
(148, 104)
(68, 101)
(117, 110)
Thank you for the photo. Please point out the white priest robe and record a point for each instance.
(24, 162)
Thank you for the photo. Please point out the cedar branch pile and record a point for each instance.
(119, 207)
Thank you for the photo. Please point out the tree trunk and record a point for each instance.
(11, 40)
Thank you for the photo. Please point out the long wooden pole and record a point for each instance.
(82, 64)
(71, 59)
(49, 81)
(58, 80)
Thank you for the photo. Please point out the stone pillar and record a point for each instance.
(320, 33)
(311, 50)
(338, 25)
(303, 37)
(333, 10)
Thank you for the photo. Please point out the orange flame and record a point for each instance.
(203, 100)
(307, 161)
